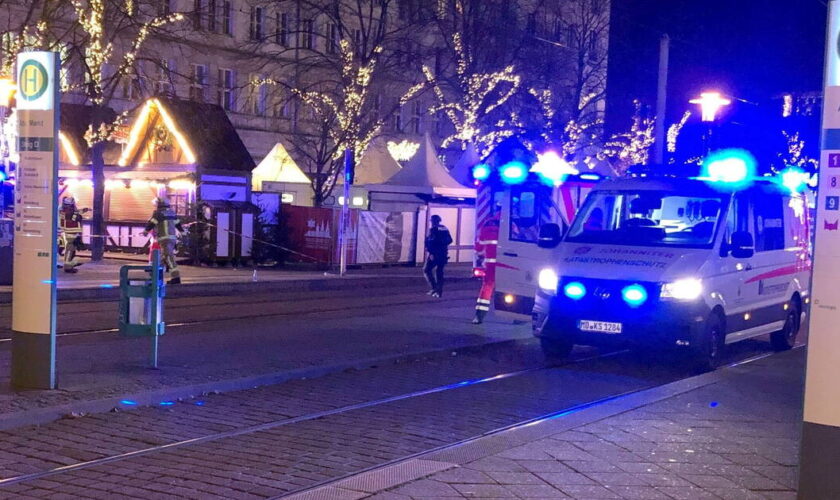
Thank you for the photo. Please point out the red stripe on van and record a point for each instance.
(782, 271)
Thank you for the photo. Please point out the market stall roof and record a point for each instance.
(74, 121)
(278, 166)
(425, 174)
(203, 132)
(377, 165)
(462, 171)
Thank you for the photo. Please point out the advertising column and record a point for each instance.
(34, 288)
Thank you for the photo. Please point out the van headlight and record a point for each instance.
(684, 289)
(548, 280)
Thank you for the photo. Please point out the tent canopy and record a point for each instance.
(278, 166)
(377, 165)
(424, 173)
(462, 171)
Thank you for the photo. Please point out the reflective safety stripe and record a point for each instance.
(489, 261)
(482, 308)
(483, 301)
(488, 242)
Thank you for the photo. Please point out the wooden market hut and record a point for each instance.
(187, 151)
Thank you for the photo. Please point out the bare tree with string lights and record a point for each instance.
(345, 68)
(106, 45)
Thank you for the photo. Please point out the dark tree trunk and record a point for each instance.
(97, 247)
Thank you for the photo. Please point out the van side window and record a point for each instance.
(738, 219)
(769, 222)
(524, 216)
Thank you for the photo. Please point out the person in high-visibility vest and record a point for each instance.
(70, 224)
(165, 226)
(485, 247)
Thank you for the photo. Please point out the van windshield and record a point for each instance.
(649, 218)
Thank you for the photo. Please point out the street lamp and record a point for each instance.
(710, 103)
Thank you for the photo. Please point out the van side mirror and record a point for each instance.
(741, 245)
(550, 235)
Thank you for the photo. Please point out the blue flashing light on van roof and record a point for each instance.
(735, 167)
(552, 169)
(3, 177)
(574, 290)
(634, 295)
(794, 179)
(514, 172)
(590, 177)
(481, 172)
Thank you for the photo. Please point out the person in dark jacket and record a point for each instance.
(437, 248)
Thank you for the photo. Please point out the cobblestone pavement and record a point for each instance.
(734, 439)
(297, 445)
(313, 333)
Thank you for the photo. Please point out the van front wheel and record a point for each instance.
(708, 355)
(785, 338)
(555, 349)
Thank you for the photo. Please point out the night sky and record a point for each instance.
(749, 49)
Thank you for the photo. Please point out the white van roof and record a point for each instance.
(679, 184)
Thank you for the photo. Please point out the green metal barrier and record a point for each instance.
(142, 290)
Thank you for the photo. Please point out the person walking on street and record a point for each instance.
(165, 226)
(70, 223)
(485, 249)
(437, 248)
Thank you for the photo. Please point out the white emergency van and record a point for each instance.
(524, 209)
(677, 262)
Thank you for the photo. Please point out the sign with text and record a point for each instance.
(36, 211)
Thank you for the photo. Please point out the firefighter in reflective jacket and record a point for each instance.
(165, 226)
(485, 249)
(70, 223)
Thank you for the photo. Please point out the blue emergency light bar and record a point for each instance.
(481, 172)
(514, 172)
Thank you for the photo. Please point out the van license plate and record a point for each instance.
(599, 326)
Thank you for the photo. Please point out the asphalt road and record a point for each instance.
(270, 441)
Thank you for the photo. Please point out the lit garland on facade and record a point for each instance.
(474, 102)
(404, 150)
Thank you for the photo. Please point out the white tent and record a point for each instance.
(279, 173)
(462, 171)
(424, 174)
(377, 165)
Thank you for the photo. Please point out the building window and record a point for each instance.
(397, 123)
(377, 108)
(163, 82)
(212, 22)
(198, 14)
(132, 87)
(332, 38)
(256, 102)
(308, 34)
(282, 35)
(257, 29)
(225, 89)
(227, 18)
(164, 7)
(531, 28)
(198, 82)
(360, 42)
(417, 119)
